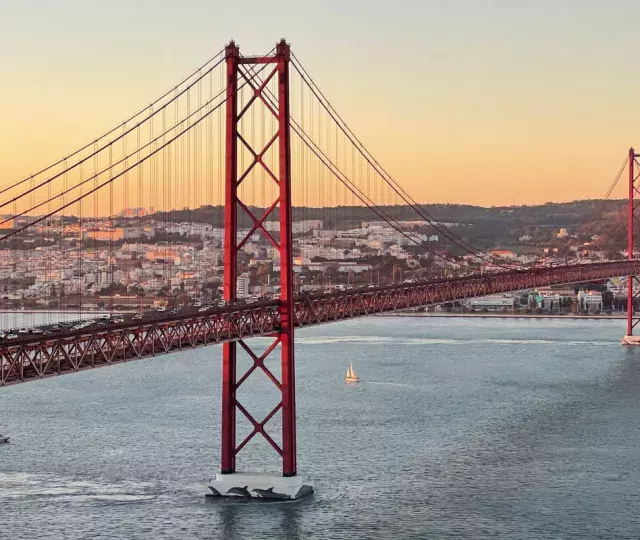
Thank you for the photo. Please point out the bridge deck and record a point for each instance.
(35, 356)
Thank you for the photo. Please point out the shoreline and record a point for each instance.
(505, 316)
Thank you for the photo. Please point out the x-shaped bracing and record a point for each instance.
(258, 158)
(259, 427)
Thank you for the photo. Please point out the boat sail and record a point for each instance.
(351, 374)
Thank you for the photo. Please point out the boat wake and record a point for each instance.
(20, 486)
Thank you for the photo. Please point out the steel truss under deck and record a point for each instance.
(38, 357)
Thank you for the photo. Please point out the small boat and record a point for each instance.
(4, 440)
(351, 375)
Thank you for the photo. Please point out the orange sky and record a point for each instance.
(489, 105)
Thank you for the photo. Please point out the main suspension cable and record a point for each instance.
(384, 174)
(126, 170)
(111, 143)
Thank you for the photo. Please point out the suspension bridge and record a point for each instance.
(235, 164)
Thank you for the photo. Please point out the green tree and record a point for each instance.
(566, 302)
(607, 300)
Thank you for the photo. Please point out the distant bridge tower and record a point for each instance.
(633, 216)
(288, 484)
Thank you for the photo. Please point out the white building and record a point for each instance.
(491, 303)
(297, 227)
(590, 300)
(354, 267)
(243, 286)
(548, 301)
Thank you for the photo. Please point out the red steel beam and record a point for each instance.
(632, 157)
(285, 311)
(289, 467)
(38, 357)
(632, 321)
(228, 454)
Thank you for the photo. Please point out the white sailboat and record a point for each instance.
(351, 375)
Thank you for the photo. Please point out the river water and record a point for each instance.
(461, 428)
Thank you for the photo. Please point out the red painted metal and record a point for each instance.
(630, 243)
(228, 454)
(37, 357)
(289, 467)
(284, 335)
(333, 307)
(632, 279)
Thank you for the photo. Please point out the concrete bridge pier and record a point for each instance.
(260, 486)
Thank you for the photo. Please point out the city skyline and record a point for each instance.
(556, 134)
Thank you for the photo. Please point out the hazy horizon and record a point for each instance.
(88, 219)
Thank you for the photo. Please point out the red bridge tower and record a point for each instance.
(230, 482)
(633, 215)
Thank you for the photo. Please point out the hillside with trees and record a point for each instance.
(496, 226)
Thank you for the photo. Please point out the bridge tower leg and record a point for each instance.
(228, 453)
(633, 215)
(229, 481)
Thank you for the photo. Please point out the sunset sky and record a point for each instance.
(488, 102)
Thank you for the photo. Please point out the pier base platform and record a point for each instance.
(260, 486)
(631, 340)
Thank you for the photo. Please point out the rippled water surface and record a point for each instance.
(474, 428)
